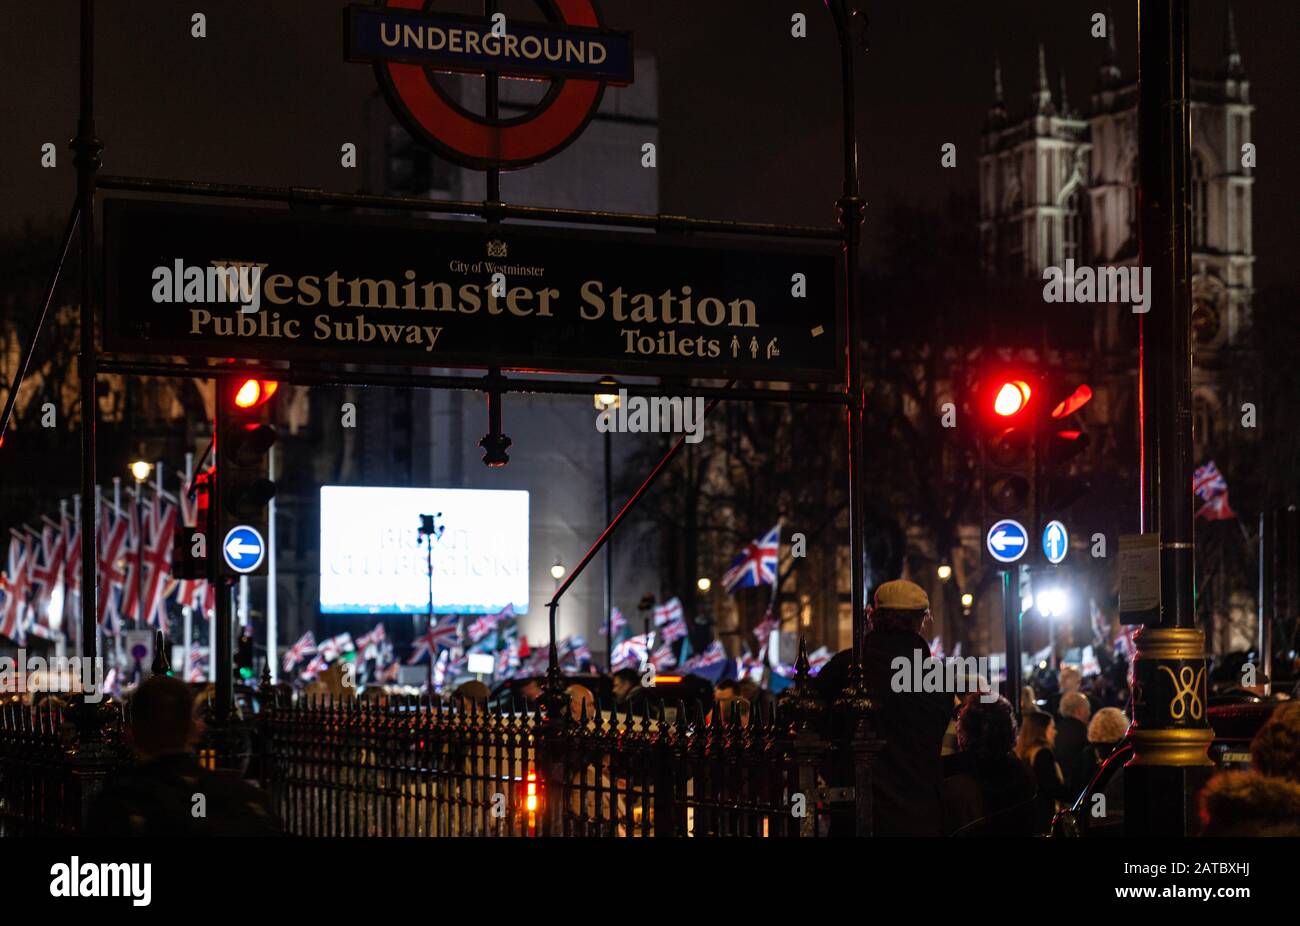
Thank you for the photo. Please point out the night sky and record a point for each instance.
(749, 115)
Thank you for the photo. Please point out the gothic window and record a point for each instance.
(1074, 226)
(1205, 321)
(1200, 203)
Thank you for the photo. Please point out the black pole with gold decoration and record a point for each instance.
(1171, 733)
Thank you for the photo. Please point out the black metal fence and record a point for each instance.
(415, 767)
(53, 761)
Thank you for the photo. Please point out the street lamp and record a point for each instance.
(140, 471)
(945, 572)
(967, 600)
(704, 583)
(606, 402)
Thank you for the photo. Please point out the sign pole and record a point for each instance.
(852, 212)
(87, 153)
(222, 657)
(272, 604)
(1011, 634)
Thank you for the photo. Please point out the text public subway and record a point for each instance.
(254, 291)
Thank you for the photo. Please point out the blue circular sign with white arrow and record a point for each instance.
(243, 548)
(1056, 542)
(1007, 541)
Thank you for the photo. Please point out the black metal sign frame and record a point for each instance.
(144, 233)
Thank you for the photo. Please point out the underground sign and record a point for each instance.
(405, 42)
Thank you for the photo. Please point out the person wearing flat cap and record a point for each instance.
(907, 775)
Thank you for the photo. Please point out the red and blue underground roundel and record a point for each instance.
(408, 40)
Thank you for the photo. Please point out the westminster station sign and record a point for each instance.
(274, 285)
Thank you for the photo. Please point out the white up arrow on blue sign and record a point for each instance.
(1056, 542)
(243, 548)
(1007, 541)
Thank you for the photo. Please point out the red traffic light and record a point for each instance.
(1073, 402)
(253, 392)
(1011, 397)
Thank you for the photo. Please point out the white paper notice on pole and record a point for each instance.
(1139, 577)
(372, 560)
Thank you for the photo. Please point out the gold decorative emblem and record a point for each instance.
(1187, 684)
(496, 248)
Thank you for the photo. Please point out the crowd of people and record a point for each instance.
(951, 764)
(971, 765)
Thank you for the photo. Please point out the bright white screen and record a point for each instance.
(372, 561)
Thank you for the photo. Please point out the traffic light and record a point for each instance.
(1009, 403)
(245, 436)
(244, 656)
(1064, 440)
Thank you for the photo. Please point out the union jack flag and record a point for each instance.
(573, 651)
(13, 608)
(372, 639)
(306, 646)
(112, 547)
(314, 668)
(670, 610)
(1125, 644)
(1217, 509)
(484, 625)
(630, 653)
(712, 655)
(756, 564)
(617, 623)
(663, 658)
(1209, 485)
(198, 664)
(441, 635)
(507, 659)
(157, 563)
(45, 572)
(447, 631)
(335, 647)
(1207, 482)
(440, 669)
(674, 630)
(7, 604)
(72, 556)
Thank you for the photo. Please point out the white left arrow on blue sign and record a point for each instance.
(243, 548)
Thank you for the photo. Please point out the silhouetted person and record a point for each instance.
(988, 791)
(1250, 804)
(167, 793)
(907, 775)
(1073, 714)
(627, 685)
(1106, 731)
(1034, 747)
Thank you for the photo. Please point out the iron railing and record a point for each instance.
(418, 767)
